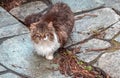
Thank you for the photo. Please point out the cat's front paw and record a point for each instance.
(49, 57)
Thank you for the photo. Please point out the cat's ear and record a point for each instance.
(32, 27)
(50, 24)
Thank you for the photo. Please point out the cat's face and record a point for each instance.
(42, 32)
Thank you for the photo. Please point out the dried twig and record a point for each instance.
(70, 65)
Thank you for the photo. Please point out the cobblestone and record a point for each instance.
(81, 5)
(110, 63)
(9, 26)
(27, 9)
(17, 52)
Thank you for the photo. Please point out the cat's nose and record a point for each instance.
(43, 38)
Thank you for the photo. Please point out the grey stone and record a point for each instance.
(112, 31)
(6, 19)
(110, 63)
(27, 9)
(16, 51)
(18, 54)
(55, 74)
(95, 44)
(115, 4)
(109, 3)
(2, 68)
(88, 24)
(9, 75)
(118, 38)
(105, 17)
(11, 30)
(88, 56)
(81, 5)
(9, 26)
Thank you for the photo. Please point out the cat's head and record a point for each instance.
(42, 31)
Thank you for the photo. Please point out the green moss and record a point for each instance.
(80, 62)
(89, 68)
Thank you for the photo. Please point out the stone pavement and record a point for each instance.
(99, 36)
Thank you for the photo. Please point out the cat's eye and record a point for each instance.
(37, 35)
(47, 34)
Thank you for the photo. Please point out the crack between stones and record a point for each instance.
(86, 11)
(92, 36)
(116, 11)
(114, 44)
(8, 25)
(96, 59)
(3, 72)
(5, 38)
(8, 70)
(116, 35)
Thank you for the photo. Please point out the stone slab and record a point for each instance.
(11, 30)
(88, 56)
(112, 31)
(95, 44)
(88, 24)
(9, 26)
(13, 51)
(27, 9)
(109, 3)
(116, 7)
(110, 63)
(6, 19)
(9, 75)
(81, 5)
(115, 4)
(2, 68)
(92, 44)
(118, 38)
(17, 53)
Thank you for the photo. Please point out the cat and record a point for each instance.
(50, 31)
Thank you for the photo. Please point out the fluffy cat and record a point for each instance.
(50, 31)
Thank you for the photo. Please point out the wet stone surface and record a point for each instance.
(112, 31)
(117, 38)
(27, 9)
(17, 52)
(2, 68)
(9, 26)
(9, 75)
(97, 44)
(110, 3)
(110, 62)
(88, 56)
(115, 4)
(88, 25)
(81, 5)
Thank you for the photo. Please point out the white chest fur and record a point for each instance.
(47, 47)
